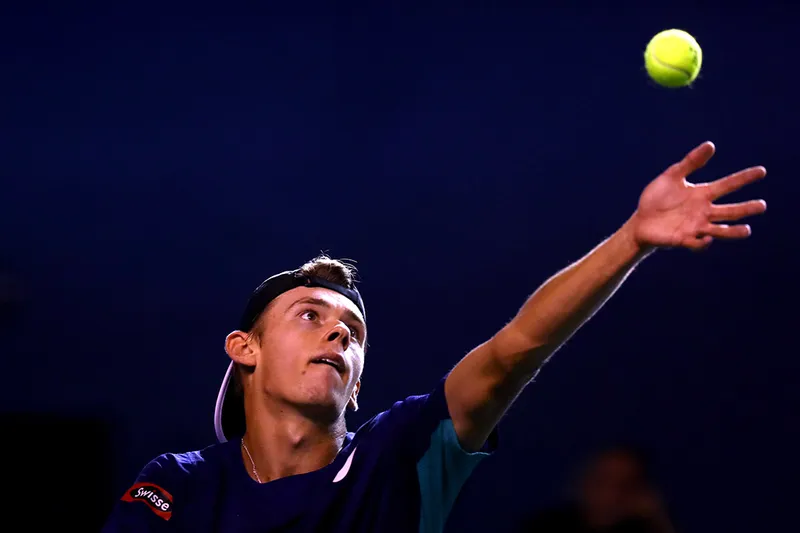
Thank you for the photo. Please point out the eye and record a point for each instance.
(309, 314)
(357, 334)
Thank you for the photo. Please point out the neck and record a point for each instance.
(282, 442)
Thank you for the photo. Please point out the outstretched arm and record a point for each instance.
(671, 213)
(485, 383)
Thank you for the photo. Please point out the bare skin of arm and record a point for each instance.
(672, 213)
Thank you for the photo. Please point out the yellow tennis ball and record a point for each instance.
(673, 58)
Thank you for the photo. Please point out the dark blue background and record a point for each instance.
(158, 163)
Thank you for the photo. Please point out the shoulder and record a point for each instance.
(407, 425)
(417, 418)
(175, 467)
(164, 485)
(428, 409)
(174, 464)
(420, 426)
(416, 436)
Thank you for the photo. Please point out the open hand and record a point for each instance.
(675, 213)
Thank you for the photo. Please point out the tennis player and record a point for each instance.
(285, 461)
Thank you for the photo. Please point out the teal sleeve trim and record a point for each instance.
(442, 472)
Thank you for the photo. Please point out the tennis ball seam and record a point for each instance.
(671, 67)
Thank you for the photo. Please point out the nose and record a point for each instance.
(339, 333)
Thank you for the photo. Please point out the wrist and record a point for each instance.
(627, 236)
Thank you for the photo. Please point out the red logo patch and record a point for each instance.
(156, 498)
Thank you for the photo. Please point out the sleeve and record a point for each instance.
(421, 428)
(147, 505)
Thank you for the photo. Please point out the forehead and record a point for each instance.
(615, 465)
(332, 298)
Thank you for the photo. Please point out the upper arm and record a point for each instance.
(485, 383)
(147, 505)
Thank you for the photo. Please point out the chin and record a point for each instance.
(324, 413)
(322, 403)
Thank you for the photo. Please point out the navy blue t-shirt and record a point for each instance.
(400, 472)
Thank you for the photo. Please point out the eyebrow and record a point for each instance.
(324, 303)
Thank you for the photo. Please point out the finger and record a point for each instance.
(731, 212)
(693, 161)
(699, 243)
(724, 231)
(735, 181)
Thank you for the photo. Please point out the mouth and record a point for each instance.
(331, 359)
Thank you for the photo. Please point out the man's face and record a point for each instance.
(311, 351)
(612, 488)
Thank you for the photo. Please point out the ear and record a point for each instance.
(353, 403)
(240, 349)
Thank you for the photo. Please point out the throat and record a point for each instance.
(270, 457)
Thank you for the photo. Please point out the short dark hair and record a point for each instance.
(339, 271)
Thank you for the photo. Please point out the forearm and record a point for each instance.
(482, 386)
(566, 301)
(671, 213)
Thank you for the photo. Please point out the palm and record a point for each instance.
(673, 212)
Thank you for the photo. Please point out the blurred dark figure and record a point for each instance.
(615, 494)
